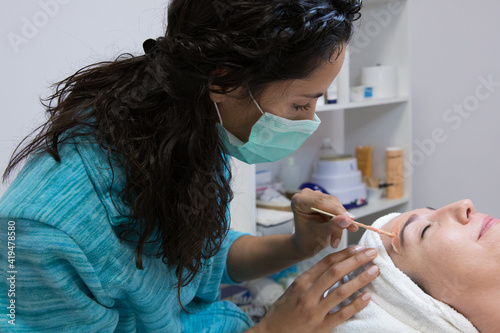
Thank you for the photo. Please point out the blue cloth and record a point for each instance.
(73, 273)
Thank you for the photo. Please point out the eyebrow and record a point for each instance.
(411, 219)
(318, 95)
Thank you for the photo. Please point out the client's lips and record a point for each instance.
(488, 222)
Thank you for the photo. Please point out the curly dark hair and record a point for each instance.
(156, 118)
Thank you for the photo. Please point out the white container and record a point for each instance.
(337, 181)
(340, 177)
(361, 93)
(341, 165)
(383, 79)
(349, 196)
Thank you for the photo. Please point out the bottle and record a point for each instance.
(290, 175)
(332, 92)
(394, 172)
(326, 151)
(364, 157)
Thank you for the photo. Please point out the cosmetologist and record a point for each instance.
(120, 215)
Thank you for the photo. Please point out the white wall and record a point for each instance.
(455, 44)
(44, 41)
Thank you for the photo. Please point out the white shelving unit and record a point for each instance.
(363, 104)
(381, 37)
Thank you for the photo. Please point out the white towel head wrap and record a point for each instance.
(398, 304)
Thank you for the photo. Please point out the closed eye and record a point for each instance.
(424, 230)
(302, 107)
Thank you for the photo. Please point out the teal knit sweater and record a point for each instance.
(64, 269)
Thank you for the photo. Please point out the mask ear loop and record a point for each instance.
(253, 99)
(255, 102)
(218, 113)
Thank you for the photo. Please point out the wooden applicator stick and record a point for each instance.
(368, 227)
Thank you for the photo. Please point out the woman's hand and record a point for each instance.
(302, 308)
(314, 231)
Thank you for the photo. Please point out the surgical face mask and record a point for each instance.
(271, 137)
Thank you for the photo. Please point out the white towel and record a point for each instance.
(398, 304)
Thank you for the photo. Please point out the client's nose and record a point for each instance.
(461, 210)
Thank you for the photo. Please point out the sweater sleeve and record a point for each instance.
(207, 313)
(53, 286)
(215, 270)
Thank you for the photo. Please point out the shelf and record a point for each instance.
(376, 206)
(373, 3)
(381, 37)
(363, 104)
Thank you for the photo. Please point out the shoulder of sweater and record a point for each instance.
(58, 194)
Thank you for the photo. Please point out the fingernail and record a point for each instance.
(372, 270)
(336, 243)
(366, 296)
(350, 215)
(359, 248)
(371, 253)
(344, 224)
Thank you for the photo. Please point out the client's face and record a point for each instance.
(453, 252)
